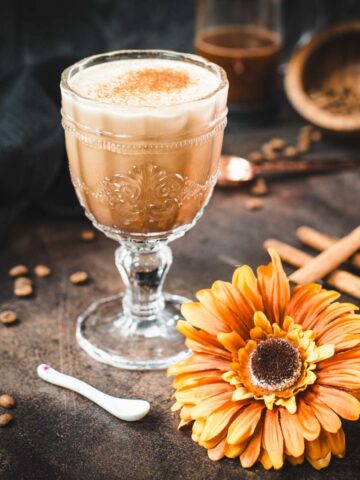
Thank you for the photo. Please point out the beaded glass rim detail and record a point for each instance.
(99, 140)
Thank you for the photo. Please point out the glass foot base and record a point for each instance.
(109, 336)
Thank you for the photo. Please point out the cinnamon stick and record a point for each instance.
(344, 281)
(328, 260)
(319, 241)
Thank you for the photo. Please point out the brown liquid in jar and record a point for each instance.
(249, 55)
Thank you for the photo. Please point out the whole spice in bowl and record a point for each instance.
(322, 79)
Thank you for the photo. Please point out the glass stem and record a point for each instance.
(143, 273)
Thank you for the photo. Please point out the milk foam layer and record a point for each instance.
(145, 82)
(139, 110)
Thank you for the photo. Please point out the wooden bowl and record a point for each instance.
(322, 81)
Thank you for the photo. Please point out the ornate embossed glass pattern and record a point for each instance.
(143, 174)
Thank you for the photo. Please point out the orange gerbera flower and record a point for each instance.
(271, 372)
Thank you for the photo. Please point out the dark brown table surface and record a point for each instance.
(60, 435)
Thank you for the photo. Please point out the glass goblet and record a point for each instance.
(143, 175)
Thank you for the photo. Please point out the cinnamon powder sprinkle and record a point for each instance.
(146, 81)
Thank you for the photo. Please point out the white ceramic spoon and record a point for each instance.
(125, 409)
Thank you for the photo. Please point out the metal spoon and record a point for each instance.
(125, 409)
(235, 171)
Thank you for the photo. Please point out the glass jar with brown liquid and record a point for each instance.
(243, 37)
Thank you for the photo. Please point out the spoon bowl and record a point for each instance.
(122, 408)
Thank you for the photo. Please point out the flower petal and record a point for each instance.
(231, 341)
(331, 313)
(198, 316)
(345, 325)
(274, 288)
(318, 452)
(246, 283)
(195, 395)
(308, 424)
(228, 295)
(308, 302)
(321, 462)
(217, 422)
(261, 321)
(216, 453)
(341, 402)
(245, 423)
(348, 379)
(265, 460)
(233, 451)
(252, 450)
(209, 405)
(220, 310)
(198, 362)
(317, 449)
(198, 335)
(295, 460)
(294, 441)
(348, 359)
(327, 417)
(272, 438)
(321, 353)
(200, 347)
(197, 378)
(336, 442)
(317, 304)
(241, 393)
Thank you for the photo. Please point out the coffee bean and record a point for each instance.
(5, 419)
(42, 271)
(7, 317)
(18, 270)
(6, 401)
(259, 188)
(253, 204)
(79, 278)
(23, 290)
(88, 235)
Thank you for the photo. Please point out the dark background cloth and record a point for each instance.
(38, 39)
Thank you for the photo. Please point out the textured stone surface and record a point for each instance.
(59, 435)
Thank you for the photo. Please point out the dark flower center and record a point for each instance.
(275, 364)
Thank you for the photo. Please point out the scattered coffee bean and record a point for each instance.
(79, 278)
(259, 188)
(7, 317)
(304, 139)
(5, 419)
(268, 151)
(290, 152)
(88, 235)
(256, 157)
(18, 270)
(42, 271)
(22, 281)
(316, 136)
(23, 290)
(278, 143)
(253, 204)
(6, 401)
